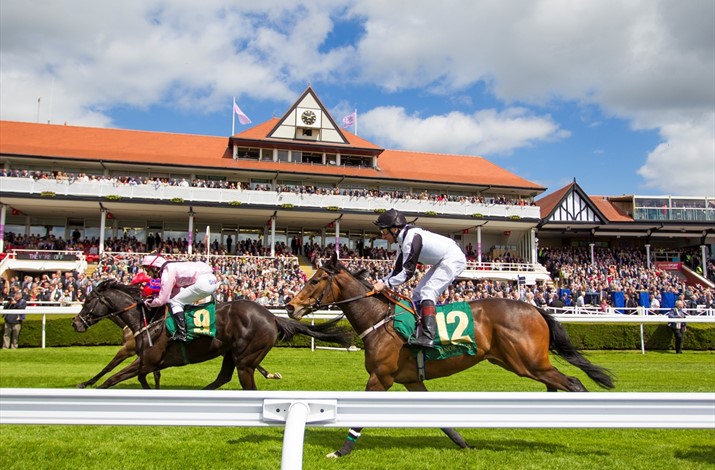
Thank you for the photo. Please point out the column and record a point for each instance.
(703, 258)
(591, 246)
(534, 241)
(102, 221)
(190, 236)
(337, 238)
(273, 236)
(479, 244)
(3, 215)
(647, 255)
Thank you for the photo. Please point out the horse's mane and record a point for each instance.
(112, 284)
(334, 266)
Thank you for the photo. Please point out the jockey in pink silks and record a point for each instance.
(182, 283)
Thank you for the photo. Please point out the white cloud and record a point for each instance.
(684, 164)
(486, 132)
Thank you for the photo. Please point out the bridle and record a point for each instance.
(112, 313)
(389, 294)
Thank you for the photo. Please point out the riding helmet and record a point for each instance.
(390, 219)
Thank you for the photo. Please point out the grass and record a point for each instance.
(115, 447)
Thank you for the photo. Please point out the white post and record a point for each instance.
(479, 244)
(3, 214)
(292, 458)
(647, 255)
(337, 238)
(102, 221)
(191, 233)
(703, 259)
(591, 246)
(273, 236)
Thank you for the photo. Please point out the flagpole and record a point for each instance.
(233, 117)
(356, 121)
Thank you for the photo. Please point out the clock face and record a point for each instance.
(308, 117)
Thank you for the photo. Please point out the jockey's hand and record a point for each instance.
(147, 302)
(379, 286)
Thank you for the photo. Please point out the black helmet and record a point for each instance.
(390, 219)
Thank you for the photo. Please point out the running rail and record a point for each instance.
(296, 410)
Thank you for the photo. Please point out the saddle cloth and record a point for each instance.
(454, 335)
(200, 320)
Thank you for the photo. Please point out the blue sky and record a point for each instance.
(618, 95)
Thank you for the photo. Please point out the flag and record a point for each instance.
(242, 118)
(349, 120)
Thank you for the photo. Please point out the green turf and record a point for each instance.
(112, 447)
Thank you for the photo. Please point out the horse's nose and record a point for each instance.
(289, 308)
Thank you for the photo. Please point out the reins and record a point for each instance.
(390, 295)
(107, 315)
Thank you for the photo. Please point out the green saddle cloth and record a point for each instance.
(200, 321)
(454, 335)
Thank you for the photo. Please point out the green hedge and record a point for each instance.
(593, 336)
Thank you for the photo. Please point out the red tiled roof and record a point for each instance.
(162, 148)
(611, 212)
(548, 202)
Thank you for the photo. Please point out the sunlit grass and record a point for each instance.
(115, 447)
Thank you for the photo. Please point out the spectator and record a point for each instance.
(678, 328)
(13, 321)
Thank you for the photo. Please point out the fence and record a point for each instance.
(295, 410)
(575, 315)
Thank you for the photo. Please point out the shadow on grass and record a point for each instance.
(322, 438)
(700, 454)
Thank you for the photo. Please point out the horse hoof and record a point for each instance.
(277, 376)
(332, 455)
(81, 385)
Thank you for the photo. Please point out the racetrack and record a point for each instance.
(150, 447)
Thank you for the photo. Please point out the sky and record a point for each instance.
(618, 95)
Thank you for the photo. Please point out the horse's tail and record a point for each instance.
(327, 331)
(560, 344)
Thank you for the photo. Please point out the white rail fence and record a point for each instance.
(583, 315)
(296, 410)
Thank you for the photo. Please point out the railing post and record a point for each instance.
(292, 458)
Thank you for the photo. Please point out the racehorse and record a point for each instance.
(512, 334)
(245, 333)
(128, 349)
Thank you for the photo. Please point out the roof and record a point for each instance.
(602, 204)
(611, 212)
(198, 151)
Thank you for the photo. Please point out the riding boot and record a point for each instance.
(425, 339)
(180, 322)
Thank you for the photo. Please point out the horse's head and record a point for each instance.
(329, 285)
(318, 291)
(107, 299)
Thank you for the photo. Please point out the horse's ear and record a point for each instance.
(334, 259)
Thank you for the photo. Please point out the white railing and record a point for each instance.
(577, 315)
(295, 410)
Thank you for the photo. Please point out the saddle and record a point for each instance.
(200, 320)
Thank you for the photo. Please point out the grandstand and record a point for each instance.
(300, 186)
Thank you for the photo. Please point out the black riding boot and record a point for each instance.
(429, 326)
(180, 322)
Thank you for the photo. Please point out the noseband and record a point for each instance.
(112, 313)
(319, 301)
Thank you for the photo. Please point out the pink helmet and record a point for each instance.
(153, 261)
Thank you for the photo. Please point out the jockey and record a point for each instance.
(182, 283)
(150, 287)
(418, 245)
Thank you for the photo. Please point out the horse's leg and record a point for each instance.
(247, 364)
(268, 375)
(157, 379)
(124, 352)
(374, 383)
(450, 432)
(224, 375)
(525, 360)
(132, 370)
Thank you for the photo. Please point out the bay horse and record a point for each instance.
(512, 334)
(245, 333)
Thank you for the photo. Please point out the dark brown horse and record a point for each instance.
(245, 333)
(128, 350)
(512, 334)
